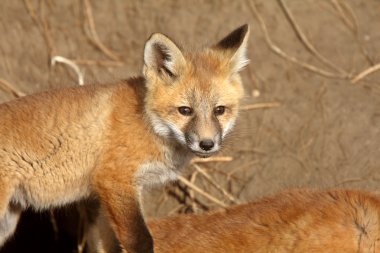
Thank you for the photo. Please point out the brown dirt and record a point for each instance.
(326, 131)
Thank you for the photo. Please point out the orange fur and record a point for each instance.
(297, 221)
(109, 141)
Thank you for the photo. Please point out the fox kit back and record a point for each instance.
(108, 141)
(298, 221)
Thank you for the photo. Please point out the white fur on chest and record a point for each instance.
(155, 173)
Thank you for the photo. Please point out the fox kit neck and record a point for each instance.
(174, 157)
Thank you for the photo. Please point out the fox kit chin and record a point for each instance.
(108, 141)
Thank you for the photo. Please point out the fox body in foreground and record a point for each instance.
(109, 141)
(296, 221)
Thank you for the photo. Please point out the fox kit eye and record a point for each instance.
(185, 110)
(219, 110)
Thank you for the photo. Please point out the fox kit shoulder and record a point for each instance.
(59, 146)
(334, 221)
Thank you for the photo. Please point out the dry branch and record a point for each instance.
(82, 228)
(93, 36)
(11, 89)
(240, 168)
(347, 14)
(305, 41)
(178, 189)
(260, 106)
(368, 177)
(98, 62)
(54, 224)
(350, 22)
(42, 26)
(71, 64)
(216, 185)
(365, 73)
(200, 191)
(212, 159)
(176, 209)
(194, 206)
(284, 55)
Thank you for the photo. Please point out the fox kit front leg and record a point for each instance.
(9, 214)
(8, 223)
(119, 198)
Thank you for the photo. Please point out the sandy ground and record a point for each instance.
(324, 131)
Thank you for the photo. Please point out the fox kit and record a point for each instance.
(297, 221)
(109, 141)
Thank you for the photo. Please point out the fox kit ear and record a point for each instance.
(163, 56)
(234, 46)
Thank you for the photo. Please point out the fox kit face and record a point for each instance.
(193, 97)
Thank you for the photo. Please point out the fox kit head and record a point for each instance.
(194, 96)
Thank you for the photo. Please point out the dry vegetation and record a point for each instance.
(312, 112)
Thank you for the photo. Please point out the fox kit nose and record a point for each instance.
(206, 145)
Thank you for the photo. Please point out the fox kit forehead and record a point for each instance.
(207, 63)
(205, 76)
(174, 76)
(198, 91)
(210, 78)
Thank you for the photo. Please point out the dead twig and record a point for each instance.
(223, 173)
(232, 172)
(54, 224)
(212, 159)
(350, 180)
(202, 192)
(71, 64)
(305, 41)
(176, 209)
(216, 185)
(161, 200)
(82, 228)
(350, 22)
(284, 55)
(260, 106)
(367, 177)
(99, 63)
(11, 89)
(42, 27)
(365, 73)
(181, 194)
(93, 35)
(347, 14)
(194, 206)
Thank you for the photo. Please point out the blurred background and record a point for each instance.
(311, 116)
